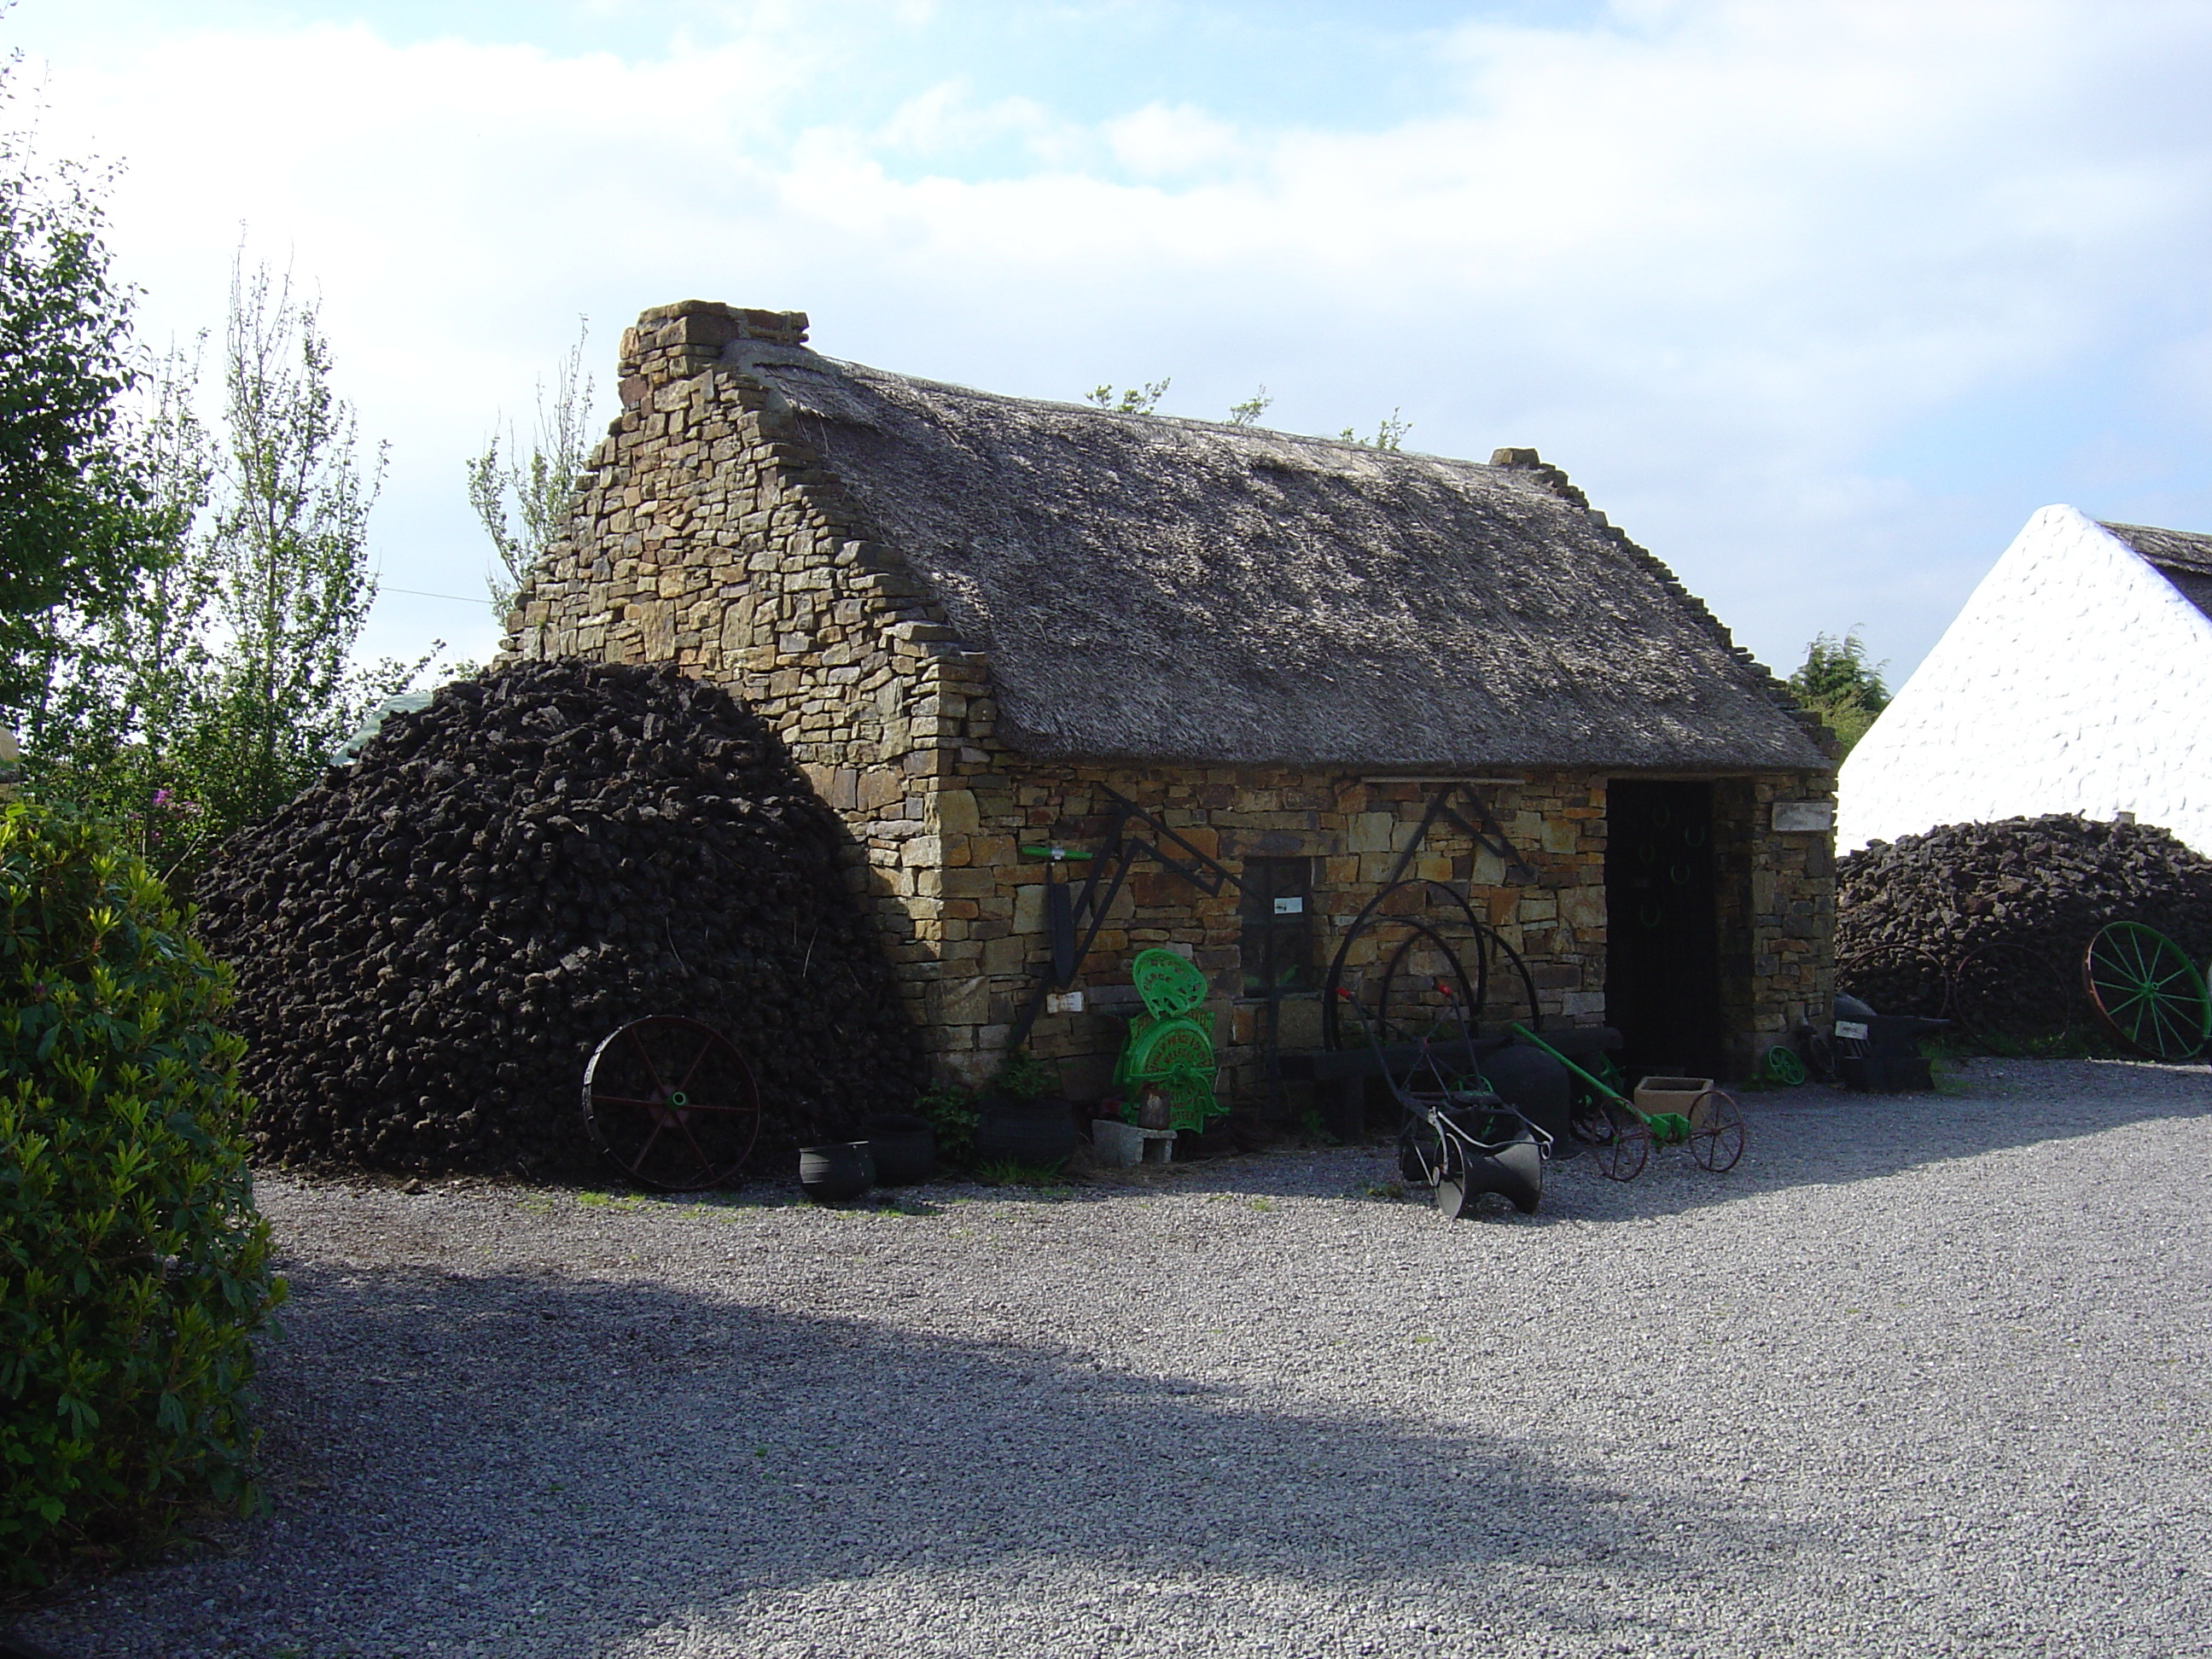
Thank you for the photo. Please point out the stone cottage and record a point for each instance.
(1259, 675)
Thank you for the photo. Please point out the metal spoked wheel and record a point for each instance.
(2007, 996)
(1784, 1066)
(1619, 1141)
(2149, 994)
(1897, 979)
(1717, 1131)
(671, 1105)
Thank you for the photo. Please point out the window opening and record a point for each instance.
(1275, 907)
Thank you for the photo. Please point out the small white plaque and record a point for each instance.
(1063, 1002)
(1804, 818)
(1854, 1028)
(1289, 907)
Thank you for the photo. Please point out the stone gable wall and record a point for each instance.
(705, 535)
(708, 535)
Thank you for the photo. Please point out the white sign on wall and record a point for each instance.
(1802, 817)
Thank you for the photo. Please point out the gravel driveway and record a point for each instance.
(1923, 1376)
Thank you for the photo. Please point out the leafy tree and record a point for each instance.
(543, 488)
(127, 688)
(73, 539)
(1838, 682)
(287, 562)
(1132, 401)
(216, 683)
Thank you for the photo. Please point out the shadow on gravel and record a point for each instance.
(1826, 1137)
(540, 1467)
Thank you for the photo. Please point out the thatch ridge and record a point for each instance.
(2182, 557)
(1161, 588)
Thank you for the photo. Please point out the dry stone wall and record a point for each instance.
(1777, 914)
(708, 534)
(991, 931)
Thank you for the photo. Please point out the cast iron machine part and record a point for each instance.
(671, 1105)
(1459, 1138)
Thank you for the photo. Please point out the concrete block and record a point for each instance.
(1124, 1146)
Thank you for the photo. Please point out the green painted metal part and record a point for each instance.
(1173, 1044)
(1168, 984)
(1784, 1066)
(1174, 1054)
(1605, 1089)
(2148, 991)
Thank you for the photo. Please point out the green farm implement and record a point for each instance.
(1621, 1130)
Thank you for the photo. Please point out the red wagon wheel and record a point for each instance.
(1717, 1131)
(1618, 1139)
(671, 1105)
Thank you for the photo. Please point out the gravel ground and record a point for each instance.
(1923, 1376)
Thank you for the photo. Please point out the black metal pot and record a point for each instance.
(841, 1170)
(1039, 1139)
(904, 1147)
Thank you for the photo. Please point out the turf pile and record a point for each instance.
(1987, 922)
(430, 943)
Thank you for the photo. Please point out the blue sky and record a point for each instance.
(1819, 299)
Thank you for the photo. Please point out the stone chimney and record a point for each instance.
(1528, 461)
(674, 343)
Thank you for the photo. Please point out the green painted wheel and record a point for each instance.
(2149, 994)
(1783, 1066)
(1176, 1056)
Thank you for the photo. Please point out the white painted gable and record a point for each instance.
(2076, 679)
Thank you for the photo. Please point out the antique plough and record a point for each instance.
(1620, 1134)
(1457, 1136)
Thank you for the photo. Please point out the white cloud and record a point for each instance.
(1158, 142)
(1734, 264)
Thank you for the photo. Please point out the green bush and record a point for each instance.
(133, 1268)
(1024, 1077)
(952, 1113)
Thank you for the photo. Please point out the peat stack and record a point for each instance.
(430, 942)
(1986, 922)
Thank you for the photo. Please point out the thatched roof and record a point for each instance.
(2184, 559)
(1145, 587)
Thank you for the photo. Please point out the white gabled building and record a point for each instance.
(2078, 679)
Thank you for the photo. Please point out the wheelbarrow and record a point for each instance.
(1620, 1133)
(1458, 1137)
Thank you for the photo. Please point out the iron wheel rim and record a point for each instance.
(1623, 1146)
(1717, 1132)
(671, 1104)
(2146, 991)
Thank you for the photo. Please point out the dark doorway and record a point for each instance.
(1663, 978)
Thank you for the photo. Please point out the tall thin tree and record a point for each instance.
(542, 488)
(290, 548)
(72, 538)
